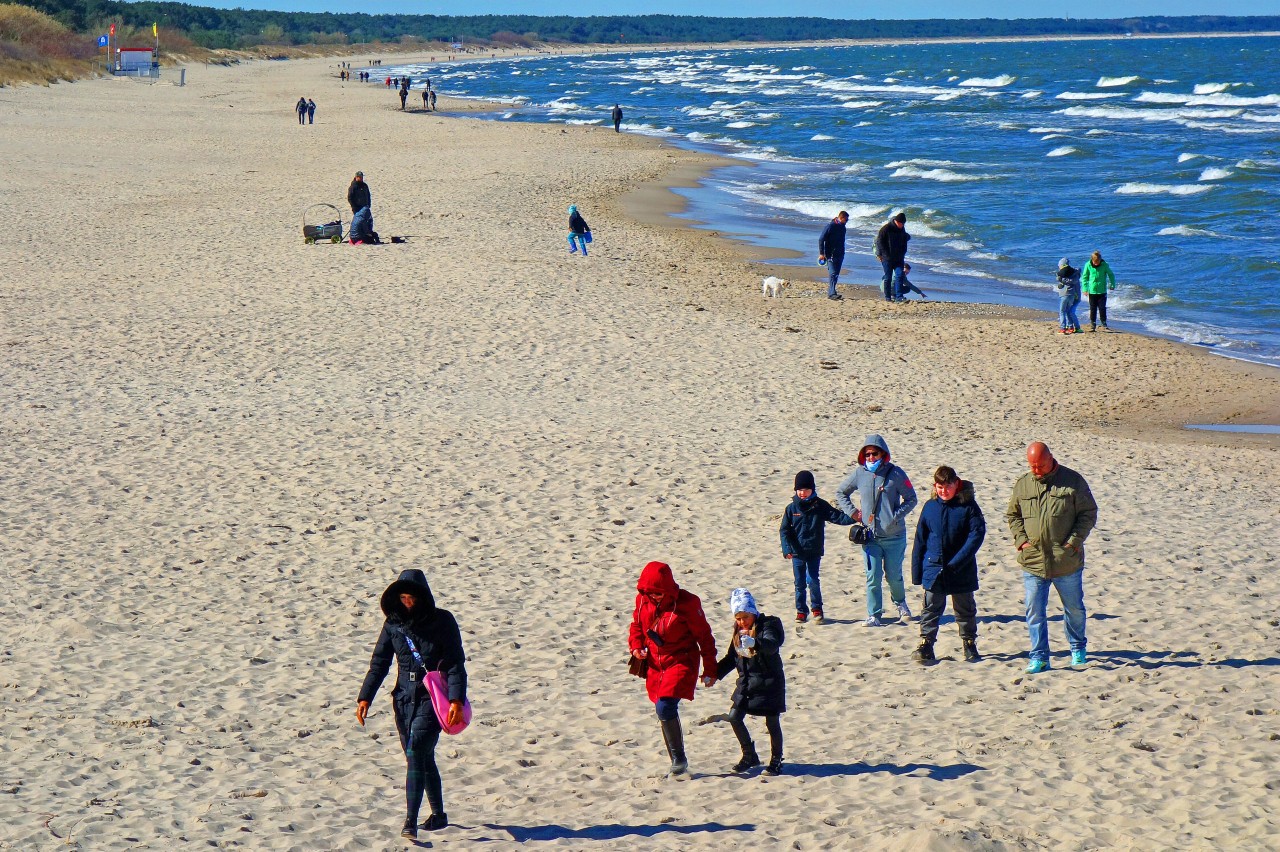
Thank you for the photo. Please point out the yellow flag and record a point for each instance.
(154, 32)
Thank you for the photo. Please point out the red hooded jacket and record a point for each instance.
(683, 635)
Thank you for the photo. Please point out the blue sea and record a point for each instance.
(1164, 155)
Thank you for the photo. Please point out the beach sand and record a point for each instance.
(220, 445)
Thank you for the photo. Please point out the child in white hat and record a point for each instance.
(762, 688)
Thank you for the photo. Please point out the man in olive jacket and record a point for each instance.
(1050, 514)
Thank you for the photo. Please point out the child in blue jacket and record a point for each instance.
(803, 533)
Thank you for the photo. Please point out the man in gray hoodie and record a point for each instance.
(886, 498)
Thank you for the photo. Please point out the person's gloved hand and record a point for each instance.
(747, 642)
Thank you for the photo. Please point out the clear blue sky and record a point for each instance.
(775, 8)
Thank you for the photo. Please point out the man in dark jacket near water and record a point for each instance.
(804, 537)
(891, 251)
(945, 561)
(616, 115)
(421, 638)
(831, 251)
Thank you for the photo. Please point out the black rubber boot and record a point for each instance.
(971, 654)
(435, 822)
(749, 760)
(673, 735)
(410, 830)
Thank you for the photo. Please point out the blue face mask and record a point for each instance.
(872, 465)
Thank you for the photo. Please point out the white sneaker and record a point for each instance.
(873, 621)
(903, 612)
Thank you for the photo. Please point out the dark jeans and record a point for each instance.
(934, 605)
(1097, 308)
(891, 285)
(805, 569)
(302, 117)
(772, 723)
(667, 708)
(419, 744)
(833, 273)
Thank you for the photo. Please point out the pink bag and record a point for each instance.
(439, 692)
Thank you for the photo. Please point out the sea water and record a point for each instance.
(1162, 154)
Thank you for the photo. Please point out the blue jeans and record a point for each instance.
(1067, 313)
(1071, 593)
(833, 273)
(578, 241)
(805, 569)
(891, 285)
(884, 561)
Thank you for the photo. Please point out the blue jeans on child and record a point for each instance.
(883, 558)
(805, 569)
(1071, 592)
(577, 241)
(1067, 313)
(891, 285)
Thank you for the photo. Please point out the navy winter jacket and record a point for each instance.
(434, 633)
(948, 535)
(831, 242)
(803, 531)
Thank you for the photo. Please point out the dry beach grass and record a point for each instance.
(219, 446)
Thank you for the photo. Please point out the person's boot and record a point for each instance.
(673, 735)
(410, 829)
(971, 654)
(435, 822)
(749, 760)
(924, 654)
(775, 765)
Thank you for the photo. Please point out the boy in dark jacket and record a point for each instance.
(803, 533)
(945, 561)
(579, 231)
(762, 688)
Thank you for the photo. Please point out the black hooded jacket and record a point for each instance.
(762, 688)
(433, 631)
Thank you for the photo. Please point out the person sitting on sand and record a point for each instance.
(422, 638)
(669, 635)
(1068, 297)
(945, 561)
(762, 687)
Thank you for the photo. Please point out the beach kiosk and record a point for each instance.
(136, 62)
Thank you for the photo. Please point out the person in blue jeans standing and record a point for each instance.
(1050, 514)
(886, 496)
(831, 251)
(579, 231)
(891, 251)
(803, 534)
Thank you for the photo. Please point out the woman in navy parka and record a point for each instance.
(421, 638)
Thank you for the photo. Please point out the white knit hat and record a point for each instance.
(740, 600)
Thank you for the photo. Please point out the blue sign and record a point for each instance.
(102, 41)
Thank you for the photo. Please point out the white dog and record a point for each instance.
(772, 287)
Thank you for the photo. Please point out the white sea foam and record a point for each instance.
(1215, 174)
(584, 120)
(1108, 82)
(1097, 132)
(1212, 88)
(1269, 118)
(821, 137)
(1048, 130)
(988, 82)
(739, 125)
(816, 209)
(1182, 158)
(1190, 332)
(943, 175)
(862, 104)
(921, 162)
(767, 116)
(1185, 231)
(845, 86)
(854, 168)
(1219, 99)
(949, 96)
(1031, 94)
(1064, 151)
(1049, 136)
(1088, 96)
(961, 245)
(1162, 189)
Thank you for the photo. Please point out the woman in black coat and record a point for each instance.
(762, 688)
(421, 638)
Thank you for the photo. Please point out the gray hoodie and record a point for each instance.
(897, 497)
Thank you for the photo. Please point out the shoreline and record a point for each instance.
(222, 444)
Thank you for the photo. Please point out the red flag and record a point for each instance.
(113, 29)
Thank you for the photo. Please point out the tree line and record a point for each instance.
(238, 28)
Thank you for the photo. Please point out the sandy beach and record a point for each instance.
(220, 445)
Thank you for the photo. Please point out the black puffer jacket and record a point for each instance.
(762, 688)
(891, 243)
(434, 633)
